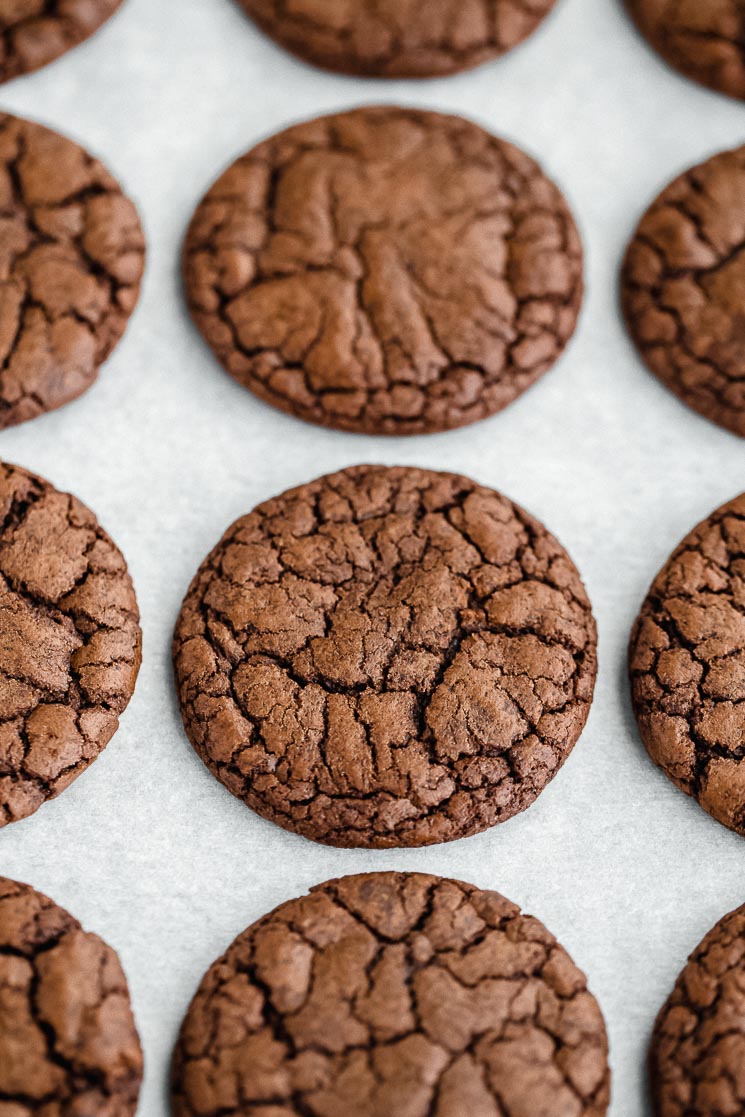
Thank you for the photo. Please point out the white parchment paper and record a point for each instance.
(147, 848)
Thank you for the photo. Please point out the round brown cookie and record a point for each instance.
(385, 270)
(398, 38)
(386, 657)
(393, 995)
(696, 1056)
(71, 260)
(704, 39)
(682, 286)
(68, 1042)
(687, 661)
(69, 641)
(35, 32)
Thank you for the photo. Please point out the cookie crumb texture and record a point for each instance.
(696, 1056)
(704, 39)
(687, 662)
(398, 38)
(393, 995)
(385, 270)
(682, 288)
(69, 641)
(71, 261)
(68, 1042)
(35, 32)
(386, 657)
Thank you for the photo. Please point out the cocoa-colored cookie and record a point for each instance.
(393, 995)
(71, 260)
(68, 1041)
(386, 657)
(398, 38)
(687, 661)
(385, 270)
(682, 286)
(701, 38)
(35, 32)
(69, 641)
(696, 1056)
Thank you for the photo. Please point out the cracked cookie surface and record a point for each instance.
(697, 1050)
(385, 270)
(687, 664)
(69, 641)
(35, 32)
(71, 261)
(386, 657)
(682, 288)
(393, 995)
(68, 1042)
(704, 39)
(398, 38)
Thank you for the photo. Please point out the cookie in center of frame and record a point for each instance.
(386, 657)
(385, 270)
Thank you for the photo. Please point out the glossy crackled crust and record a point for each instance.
(35, 32)
(71, 261)
(70, 641)
(682, 288)
(393, 994)
(687, 661)
(385, 270)
(704, 39)
(698, 1046)
(68, 1042)
(386, 657)
(398, 38)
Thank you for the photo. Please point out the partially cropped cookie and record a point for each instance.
(71, 261)
(701, 38)
(687, 660)
(385, 270)
(696, 1057)
(682, 288)
(386, 657)
(35, 32)
(68, 1042)
(391, 39)
(69, 641)
(393, 994)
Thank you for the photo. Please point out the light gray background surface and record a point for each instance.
(147, 848)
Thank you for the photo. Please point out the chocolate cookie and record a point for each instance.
(398, 38)
(69, 641)
(386, 657)
(393, 994)
(71, 261)
(703, 39)
(696, 1056)
(34, 32)
(385, 270)
(68, 1042)
(687, 662)
(682, 288)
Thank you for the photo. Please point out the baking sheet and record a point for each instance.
(147, 848)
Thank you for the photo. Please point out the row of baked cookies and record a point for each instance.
(384, 270)
(382, 657)
(401, 38)
(376, 994)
